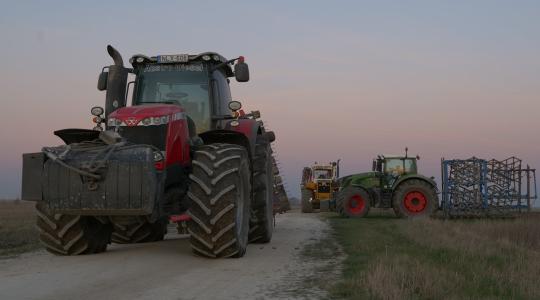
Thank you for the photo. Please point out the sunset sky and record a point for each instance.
(333, 79)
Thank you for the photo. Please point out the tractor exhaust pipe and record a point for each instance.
(116, 82)
(117, 58)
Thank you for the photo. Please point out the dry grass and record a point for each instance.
(17, 228)
(390, 258)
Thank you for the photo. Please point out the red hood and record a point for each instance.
(140, 112)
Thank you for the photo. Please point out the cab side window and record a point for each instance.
(222, 92)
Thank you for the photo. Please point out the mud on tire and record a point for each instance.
(220, 194)
(261, 224)
(72, 235)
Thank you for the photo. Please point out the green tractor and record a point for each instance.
(393, 183)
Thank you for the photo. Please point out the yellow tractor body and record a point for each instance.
(319, 182)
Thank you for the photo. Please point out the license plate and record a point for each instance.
(175, 58)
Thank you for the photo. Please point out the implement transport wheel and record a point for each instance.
(307, 206)
(262, 211)
(414, 199)
(220, 196)
(140, 231)
(353, 202)
(72, 235)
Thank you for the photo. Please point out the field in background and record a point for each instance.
(17, 227)
(391, 258)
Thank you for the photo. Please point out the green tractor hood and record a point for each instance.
(365, 179)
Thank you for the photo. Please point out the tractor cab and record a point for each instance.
(323, 173)
(392, 167)
(395, 165)
(198, 84)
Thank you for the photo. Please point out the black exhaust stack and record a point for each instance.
(114, 82)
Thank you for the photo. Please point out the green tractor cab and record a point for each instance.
(394, 183)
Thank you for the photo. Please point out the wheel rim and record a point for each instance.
(356, 204)
(415, 202)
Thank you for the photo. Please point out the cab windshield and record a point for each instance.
(322, 174)
(184, 85)
(395, 166)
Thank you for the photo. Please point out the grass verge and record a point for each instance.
(17, 228)
(389, 258)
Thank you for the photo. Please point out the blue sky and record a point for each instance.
(341, 79)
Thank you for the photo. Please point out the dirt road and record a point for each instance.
(168, 270)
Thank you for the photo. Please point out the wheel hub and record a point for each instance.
(415, 202)
(356, 204)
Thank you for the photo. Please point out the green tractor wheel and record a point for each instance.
(353, 202)
(414, 199)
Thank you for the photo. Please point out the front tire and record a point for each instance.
(72, 234)
(220, 194)
(353, 202)
(414, 199)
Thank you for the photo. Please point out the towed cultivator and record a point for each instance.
(281, 200)
(486, 188)
(183, 150)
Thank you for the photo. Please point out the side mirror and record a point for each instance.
(270, 136)
(374, 166)
(102, 81)
(241, 71)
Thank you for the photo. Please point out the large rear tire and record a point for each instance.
(220, 196)
(353, 202)
(261, 224)
(414, 199)
(307, 206)
(72, 235)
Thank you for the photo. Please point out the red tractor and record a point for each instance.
(183, 147)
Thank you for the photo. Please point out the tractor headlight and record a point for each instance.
(97, 111)
(158, 156)
(114, 122)
(157, 121)
(147, 121)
